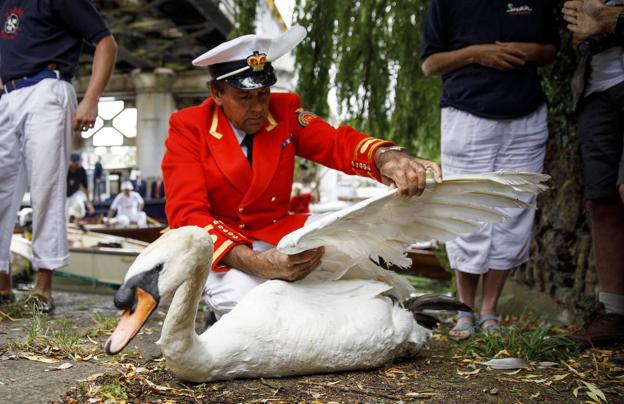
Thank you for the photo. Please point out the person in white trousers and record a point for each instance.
(494, 117)
(40, 45)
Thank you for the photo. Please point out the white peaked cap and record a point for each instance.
(244, 46)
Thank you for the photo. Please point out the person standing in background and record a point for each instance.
(600, 97)
(494, 117)
(139, 185)
(77, 189)
(98, 171)
(40, 45)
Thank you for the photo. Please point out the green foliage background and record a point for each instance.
(368, 50)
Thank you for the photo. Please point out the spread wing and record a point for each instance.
(385, 225)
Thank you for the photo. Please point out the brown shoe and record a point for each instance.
(602, 329)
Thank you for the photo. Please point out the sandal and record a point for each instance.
(465, 327)
(494, 327)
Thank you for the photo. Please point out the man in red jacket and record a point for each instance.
(229, 166)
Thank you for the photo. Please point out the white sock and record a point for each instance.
(613, 302)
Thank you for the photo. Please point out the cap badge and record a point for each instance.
(257, 61)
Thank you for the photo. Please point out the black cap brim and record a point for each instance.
(252, 80)
(247, 79)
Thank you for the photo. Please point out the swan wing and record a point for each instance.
(385, 225)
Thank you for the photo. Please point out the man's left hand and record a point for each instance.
(583, 18)
(405, 172)
(85, 115)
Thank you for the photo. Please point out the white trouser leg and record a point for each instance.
(42, 115)
(474, 145)
(12, 179)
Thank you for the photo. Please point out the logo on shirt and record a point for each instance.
(11, 25)
(518, 10)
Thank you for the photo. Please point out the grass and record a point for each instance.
(538, 344)
(114, 391)
(103, 324)
(429, 285)
(57, 339)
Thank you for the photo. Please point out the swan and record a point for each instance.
(350, 314)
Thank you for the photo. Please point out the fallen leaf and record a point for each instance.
(92, 377)
(64, 366)
(534, 396)
(423, 395)
(547, 364)
(557, 378)
(474, 372)
(576, 391)
(515, 372)
(494, 391)
(38, 358)
(594, 390)
(506, 364)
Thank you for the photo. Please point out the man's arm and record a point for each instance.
(590, 17)
(111, 211)
(404, 171)
(496, 56)
(103, 63)
(538, 53)
(272, 264)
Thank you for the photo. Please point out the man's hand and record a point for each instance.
(406, 172)
(85, 115)
(272, 264)
(584, 19)
(498, 56)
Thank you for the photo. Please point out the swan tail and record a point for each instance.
(432, 302)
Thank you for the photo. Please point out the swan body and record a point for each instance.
(348, 314)
(278, 329)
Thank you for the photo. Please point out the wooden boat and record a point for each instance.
(147, 234)
(93, 257)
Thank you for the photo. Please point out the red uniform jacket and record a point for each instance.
(209, 182)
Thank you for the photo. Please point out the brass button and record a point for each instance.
(274, 220)
(273, 199)
(241, 210)
(242, 225)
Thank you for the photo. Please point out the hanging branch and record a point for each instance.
(245, 17)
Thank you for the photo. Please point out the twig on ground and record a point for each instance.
(350, 390)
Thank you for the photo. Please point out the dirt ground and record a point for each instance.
(53, 367)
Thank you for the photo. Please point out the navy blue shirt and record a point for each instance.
(37, 33)
(480, 90)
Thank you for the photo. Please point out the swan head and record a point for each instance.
(156, 273)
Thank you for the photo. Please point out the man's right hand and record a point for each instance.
(272, 264)
(498, 57)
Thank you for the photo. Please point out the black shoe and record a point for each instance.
(7, 298)
(602, 329)
(42, 304)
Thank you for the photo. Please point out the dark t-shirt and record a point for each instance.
(480, 90)
(37, 33)
(75, 179)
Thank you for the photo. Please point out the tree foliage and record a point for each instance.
(368, 50)
(245, 16)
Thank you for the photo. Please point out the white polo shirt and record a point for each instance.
(127, 205)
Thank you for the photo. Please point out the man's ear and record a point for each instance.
(216, 94)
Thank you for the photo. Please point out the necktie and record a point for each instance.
(248, 143)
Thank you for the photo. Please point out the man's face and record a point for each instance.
(126, 191)
(247, 109)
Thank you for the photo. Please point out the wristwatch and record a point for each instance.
(392, 148)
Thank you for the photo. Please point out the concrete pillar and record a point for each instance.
(154, 103)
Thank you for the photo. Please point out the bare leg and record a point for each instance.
(43, 285)
(608, 235)
(621, 188)
(493, 283)
(467, 289)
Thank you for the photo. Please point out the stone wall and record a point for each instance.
(561, 250)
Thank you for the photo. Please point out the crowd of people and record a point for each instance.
(494, 117)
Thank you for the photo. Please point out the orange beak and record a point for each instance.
(131, 322)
